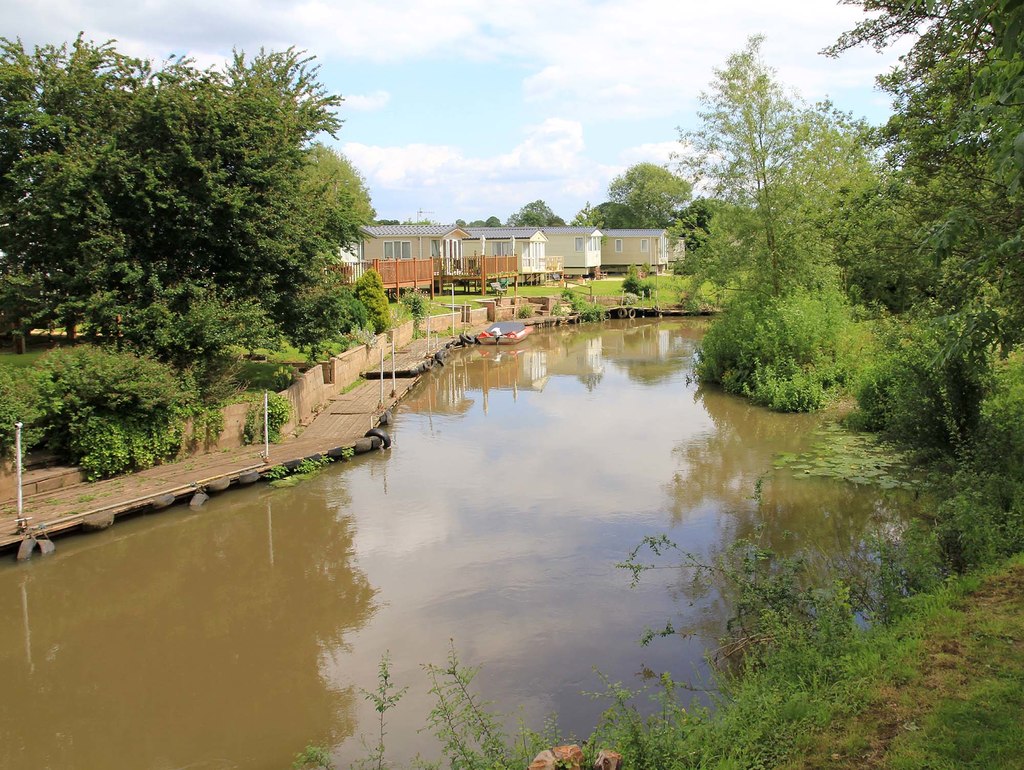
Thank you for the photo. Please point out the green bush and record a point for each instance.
(999, 446)
(19, 402)
(370, 291)
(525, 311)
(111, 412)
(587, 311)
(785, 353)
(279, 411)
(921, 388)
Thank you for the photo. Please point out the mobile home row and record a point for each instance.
(418, 255)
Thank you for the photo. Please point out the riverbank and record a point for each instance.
(335, 430)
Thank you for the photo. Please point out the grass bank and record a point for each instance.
(944, 688)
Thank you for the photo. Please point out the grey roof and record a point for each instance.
(571, 230)
(503, 232)
(378, 231)
(648, 233)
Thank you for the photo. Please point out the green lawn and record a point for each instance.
(20, 361)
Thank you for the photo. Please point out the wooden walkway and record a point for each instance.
(344, 420)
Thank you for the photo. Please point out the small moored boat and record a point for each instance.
(504, 333)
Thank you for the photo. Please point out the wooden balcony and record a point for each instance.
(406, 274)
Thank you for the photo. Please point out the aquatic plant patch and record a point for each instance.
(860, 458)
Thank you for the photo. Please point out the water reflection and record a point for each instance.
(158, 652)
(518, 478)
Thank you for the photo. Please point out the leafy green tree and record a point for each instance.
(775, 164)
(652, 194)
(335, 185)
(324, 313)
(956, 148)
(613, 216)
(369, 290)
(128, 189)
(588, 216)
(535, 214)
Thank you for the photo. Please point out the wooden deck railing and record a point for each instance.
(405, 272)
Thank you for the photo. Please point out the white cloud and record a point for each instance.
(377, 100)
(548, 163)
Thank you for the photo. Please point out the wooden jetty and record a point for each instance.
(342, 424)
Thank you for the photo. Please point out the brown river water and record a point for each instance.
(233, 636)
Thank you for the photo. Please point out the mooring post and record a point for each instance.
(266, 426)
(394, 384)
(21, 521)
(453, 308)
(382, 374)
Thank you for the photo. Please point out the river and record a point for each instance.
(232, 636)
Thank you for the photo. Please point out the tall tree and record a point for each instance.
(651, 194)
(956, 148)
(535, 214)
(774, 163)
(588, 216)
(132, 195)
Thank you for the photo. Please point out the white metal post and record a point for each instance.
(394, 384)
(17, 452)
(453, 308)
(382, 373)
(266, 426)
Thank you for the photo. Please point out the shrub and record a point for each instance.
(632, 283)
(416, 303)
(279, 411)
(587, 311)
(786, 353)
(322, 314)
(921, 388)
(19, 402)
(370, 291)
(111, 412)
(525, 311)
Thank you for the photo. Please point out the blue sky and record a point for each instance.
(468, 108)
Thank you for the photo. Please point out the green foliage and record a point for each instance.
(416, 303)
(313, 758)
(525, 311)
(471, 737)
(369, 290)
(176, 210)
(785, 353)
(279, 412)
(587, 311)
(111, 412)
(651, 194)
(775, 165)
(323, 314)
(18, 403)
(384, 699)
(535, 214)
(921, 389)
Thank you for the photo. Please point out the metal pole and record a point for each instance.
(453, 308)
(17, 453)
(382, 373)
(394, 384)
(266, 426)
(428, 331)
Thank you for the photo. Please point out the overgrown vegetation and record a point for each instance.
(586, 310)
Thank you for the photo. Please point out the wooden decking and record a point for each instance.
(343, 421)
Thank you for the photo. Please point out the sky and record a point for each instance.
(464, 109)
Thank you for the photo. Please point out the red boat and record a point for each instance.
(504, 333)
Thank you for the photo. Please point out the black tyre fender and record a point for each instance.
(428, 364)
(385, 417)
(439, 357)
(632, 313)
(385, 439)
